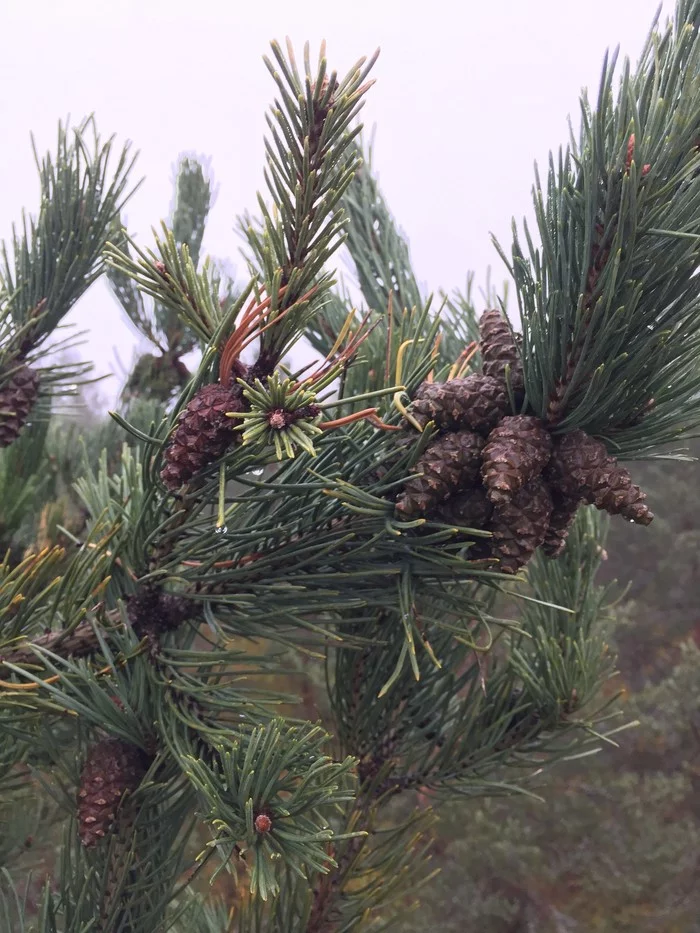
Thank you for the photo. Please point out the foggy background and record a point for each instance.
(468, 96)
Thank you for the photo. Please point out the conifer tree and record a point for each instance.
(363, 514)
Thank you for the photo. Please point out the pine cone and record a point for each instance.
(470, 508)
(203, 434)
(450, 464)
(499, 349)
(516, 452)
(581, 466)
(112, 768)
(152, 612)
(561, 520)
(519, 525)
(476, 402)
(17, 398)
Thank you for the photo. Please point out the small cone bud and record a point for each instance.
(152, 612)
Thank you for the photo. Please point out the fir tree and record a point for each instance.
(363, 513)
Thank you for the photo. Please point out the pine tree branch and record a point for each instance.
(378, 249)
(310, 163)
(609, 300)
(53, 260)
(170, 277)
(80, 642)
(159, 323)
(57, 256)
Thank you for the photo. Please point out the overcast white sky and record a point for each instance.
(468, 95)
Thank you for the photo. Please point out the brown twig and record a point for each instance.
(79, 643)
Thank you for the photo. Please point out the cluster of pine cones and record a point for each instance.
(507, 473)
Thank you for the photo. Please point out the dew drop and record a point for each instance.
(258, 472)
(221, 529)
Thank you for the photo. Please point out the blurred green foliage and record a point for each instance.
(616, 846)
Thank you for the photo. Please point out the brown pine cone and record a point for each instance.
(17, 398)
(152, 612)
(449, 464)
(580, 466)
(112, 768)
(516, 452)
(519, 525)
(203, 434)
(560, 522)
(470, 509)
(476, 402)
(499, 349)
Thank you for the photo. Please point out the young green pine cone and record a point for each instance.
(470, 508)
(519, 525)
(450, 463)
(516, 452)
(580, 466)
(499, 349)
(112, 768)
(17, 398)
(476, 402)
(203, 434)
(560, 522)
